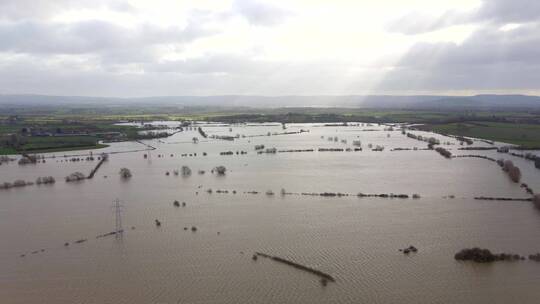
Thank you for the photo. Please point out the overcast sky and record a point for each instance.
(290, 47)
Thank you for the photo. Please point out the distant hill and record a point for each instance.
(491, 102)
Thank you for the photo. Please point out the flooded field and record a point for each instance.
(354, 239)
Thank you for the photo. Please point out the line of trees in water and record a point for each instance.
(203, 134)
(42, 180)
(513, 172)
(429, 140)
(536, 200)
(445, 153)
(325, 277)
(323, 194)
(479, 255)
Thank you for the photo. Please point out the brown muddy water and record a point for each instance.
(356, 240)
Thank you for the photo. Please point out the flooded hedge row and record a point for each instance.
(445, 153)
(283, 192)
(324, 276)
(480, 255)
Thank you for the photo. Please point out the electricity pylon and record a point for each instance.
(118, 213)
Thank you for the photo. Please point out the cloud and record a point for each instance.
(208, 49)
(89, 36)
(488, 59)
(509, 11)
(43, 9)
(493, 12)
(484, 47)
(205, 75)
(213, 64)
(260, 13)
(416, 23)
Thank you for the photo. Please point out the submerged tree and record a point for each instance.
(186, 171)
(515, 174)
(20, 183)
(45, 180)
(125, 173)
(220, 170)
(507, 164)
(77, 176)
(536, 200)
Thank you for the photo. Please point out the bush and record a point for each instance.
(45, 180)
(19, 183)
(536, 200)
(77, 176)
(442, 151)
(479, 255)
(220, 170)
(125, 173)
(515, 174)
(507, 164)
(186, 171)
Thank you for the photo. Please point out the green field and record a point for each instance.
(52, 143)
(525, 135)
(7, 151)
(58, 124)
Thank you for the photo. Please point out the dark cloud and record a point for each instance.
(488, 59)
(509, 11)
(485, 46)
(490, 12)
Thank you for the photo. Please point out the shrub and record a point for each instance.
(442, 151)
(186, 171)
(536, 200)
(507, 164)
(220, 170)
(45, 180)
(515, 174)
(125, 173)
(76, 176)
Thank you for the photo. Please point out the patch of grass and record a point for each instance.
(525, 135)
(48, 143)
(7, 151)
(67, 148)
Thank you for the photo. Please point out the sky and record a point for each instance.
(259, 47)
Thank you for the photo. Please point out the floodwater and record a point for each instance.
(356, 240)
